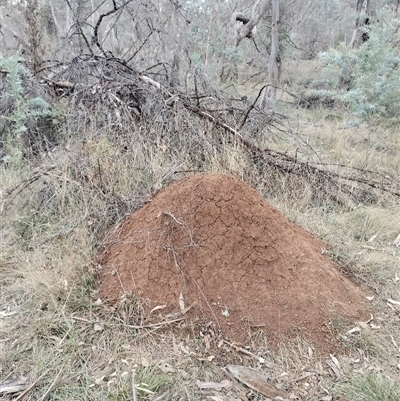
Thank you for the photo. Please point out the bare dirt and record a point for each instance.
(234, 258)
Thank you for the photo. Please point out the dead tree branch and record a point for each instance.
(126, 93)
(95, 38)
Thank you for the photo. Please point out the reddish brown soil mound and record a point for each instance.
(234, 257)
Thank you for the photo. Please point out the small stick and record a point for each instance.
(147, 326)
(25, 392)
(51, 387)
(173, 217)
(187, 393)
(244, 351)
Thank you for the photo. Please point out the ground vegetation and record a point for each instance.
(106, 104)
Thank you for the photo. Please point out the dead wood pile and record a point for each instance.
(114, 91)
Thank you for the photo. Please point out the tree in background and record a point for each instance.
(240, 27)
(169, 39)
(274, 63)
(361, 35)
(371, 71)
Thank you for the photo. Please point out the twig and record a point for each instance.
(187, 393)
(288, 164)
(28, 181)
(95, 38)
(52, 386)
(25, 392)
(140, 48)
(244, 351)
(173, 218)
(131, 326)
(147, 326)
(133, 385)
(251, 107)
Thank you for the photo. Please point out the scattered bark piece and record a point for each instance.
(256, 381)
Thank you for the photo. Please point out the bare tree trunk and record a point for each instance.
(274, 62)
(241, 27)
(174, 79)
(362, 19)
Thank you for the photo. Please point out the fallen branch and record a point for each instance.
(285, 163)
(126, 92)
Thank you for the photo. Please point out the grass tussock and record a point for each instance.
(57, 207)
(371, 386)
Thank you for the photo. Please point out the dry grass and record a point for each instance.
(53, 324)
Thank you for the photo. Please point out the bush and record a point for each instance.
(367, 78)
(18, 106)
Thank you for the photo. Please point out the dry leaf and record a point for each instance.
(112, 382)
(225, 312)
(207, 340)
(184, 349)
(97, 327)
(394, 343)
(158, 307)
(257, 381)
(335, 361)
(6, 314)
(144, 362)
(166, 368)
(305, 375)
(142, 387)
(181, 303)
(373, 237)
(354, 330)
(212, 385)
(174, 346)
(335, 365)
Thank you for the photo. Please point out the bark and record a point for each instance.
(362, 20)
(241, 27)
(175, 67)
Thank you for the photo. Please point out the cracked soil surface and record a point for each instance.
(234, 258)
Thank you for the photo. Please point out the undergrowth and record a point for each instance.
(57, 207)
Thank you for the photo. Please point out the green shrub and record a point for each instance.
(367, 78)
(17, 106)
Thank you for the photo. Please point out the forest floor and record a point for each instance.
(65, 340)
